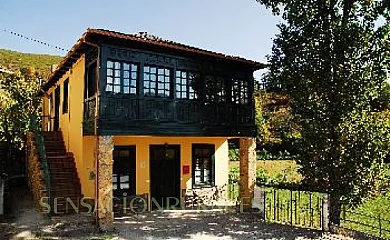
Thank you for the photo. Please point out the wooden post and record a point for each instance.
(105, 215)
(247, 172)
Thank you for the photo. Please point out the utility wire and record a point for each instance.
(34, 40)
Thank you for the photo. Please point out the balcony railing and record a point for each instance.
(122, 113)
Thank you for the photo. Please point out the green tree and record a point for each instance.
(18, 101)
(277, 133)
(331, 58)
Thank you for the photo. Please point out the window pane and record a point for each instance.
(124, 178)
(117, 81)
(117, 65)
(152, 70)
(117, 89)
(110, 64)
(109, 80)
(126, 66)
(126, 82)
(110, 72)
(126, 74)
(133, 67)
(133, 75)
(126, 90)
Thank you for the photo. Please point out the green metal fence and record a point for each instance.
(373, 225)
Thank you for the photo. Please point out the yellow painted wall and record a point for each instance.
(142, 157)
(71, 124)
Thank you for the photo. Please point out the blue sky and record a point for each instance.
(235, 27)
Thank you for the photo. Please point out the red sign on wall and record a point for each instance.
(186, 169)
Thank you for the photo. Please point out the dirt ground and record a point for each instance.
(25, 222)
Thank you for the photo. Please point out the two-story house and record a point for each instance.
(142, 115)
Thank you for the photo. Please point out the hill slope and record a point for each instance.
(13, 60)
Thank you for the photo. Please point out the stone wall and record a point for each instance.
(35, 174)
(211, 197)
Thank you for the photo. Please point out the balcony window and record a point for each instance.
(240, 91)
(157, 82)
(215, 89)
(122, 77)
(186, 85)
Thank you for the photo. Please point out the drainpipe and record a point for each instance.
(97, 94)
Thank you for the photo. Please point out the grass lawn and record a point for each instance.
(273, 168)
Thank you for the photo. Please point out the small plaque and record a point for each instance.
(186, 169)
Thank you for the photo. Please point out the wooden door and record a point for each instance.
(165, 176)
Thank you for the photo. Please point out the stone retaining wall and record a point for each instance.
(35, 174)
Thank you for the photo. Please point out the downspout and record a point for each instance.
(97, 94)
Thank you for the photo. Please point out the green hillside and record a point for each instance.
(13, 60)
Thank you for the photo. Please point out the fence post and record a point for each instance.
(325, 212)
(291, 207)
(259, 201)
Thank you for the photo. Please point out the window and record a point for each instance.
(65, 101)
(215, 89)
(90, 81)
(185, 85)
(240, 91)
(157, 82)
(122, 77)
(130, 78)
(203, 165)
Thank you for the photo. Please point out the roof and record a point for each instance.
(91, 36)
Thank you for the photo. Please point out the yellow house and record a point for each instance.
(139, 115)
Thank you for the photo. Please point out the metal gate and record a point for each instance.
(294, 207)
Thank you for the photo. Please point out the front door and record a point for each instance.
(124, 172)
(165, 176)
(57, 109)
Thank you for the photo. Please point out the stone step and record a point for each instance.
(60, 180)
(62, 164)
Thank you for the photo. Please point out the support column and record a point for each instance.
(105, 215)
(247, 172)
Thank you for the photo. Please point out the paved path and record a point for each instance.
(26, 223)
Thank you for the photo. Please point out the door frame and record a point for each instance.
(57, 99)
(177, 148)
(133, 179)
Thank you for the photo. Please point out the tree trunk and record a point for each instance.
(335, 210)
